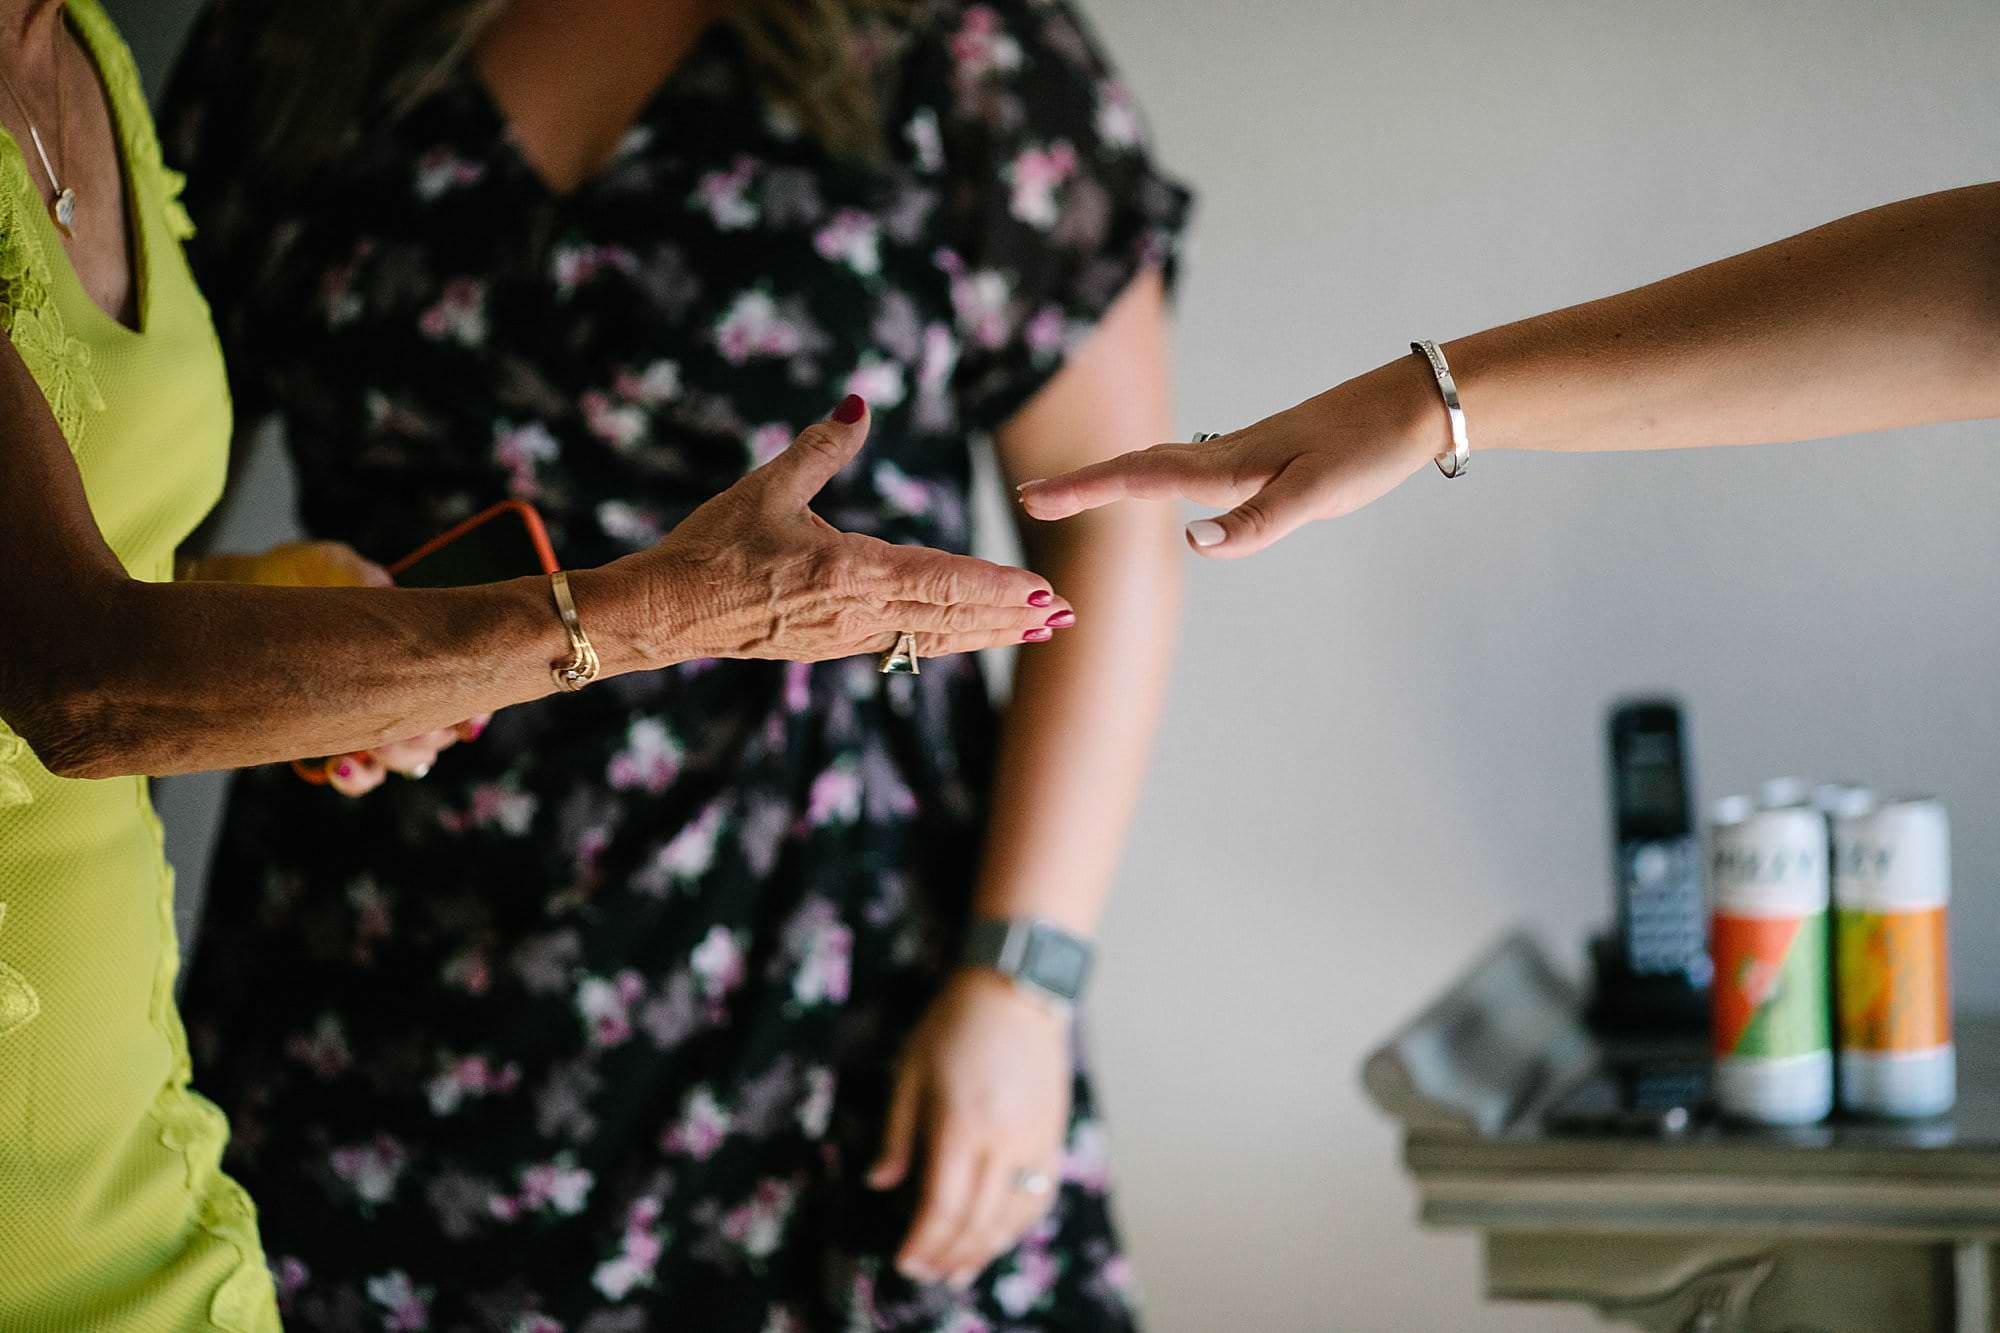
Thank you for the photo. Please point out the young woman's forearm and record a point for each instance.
(1886, 318)
(1079, 732)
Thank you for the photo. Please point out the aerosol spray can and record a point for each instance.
(1772, 1015)
(1891, 888)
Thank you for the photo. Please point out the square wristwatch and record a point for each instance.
(1038, 954)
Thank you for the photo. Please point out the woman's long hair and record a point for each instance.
(330, 66)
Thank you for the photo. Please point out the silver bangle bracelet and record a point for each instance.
(1453, 461)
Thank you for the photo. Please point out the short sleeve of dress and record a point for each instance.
(1052, 203)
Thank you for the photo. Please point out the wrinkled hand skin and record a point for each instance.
(754, 573)
(323, 564)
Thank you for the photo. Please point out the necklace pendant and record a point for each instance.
(64, 209)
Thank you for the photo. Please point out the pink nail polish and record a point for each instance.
(345, 769)
(477, 730)
(1041, 598)
(850, 409)
(1061, 620)
(1039, 635)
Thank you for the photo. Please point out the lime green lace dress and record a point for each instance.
(114, 1214)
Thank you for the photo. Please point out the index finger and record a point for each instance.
(1163, 472)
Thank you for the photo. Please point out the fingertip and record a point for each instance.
(1041, 597)
(851, 409)
(1205, 534)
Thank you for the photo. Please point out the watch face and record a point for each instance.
(1056, 962)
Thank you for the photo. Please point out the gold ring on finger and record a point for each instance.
(902, 659)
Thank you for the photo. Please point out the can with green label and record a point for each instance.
(1772, 1016)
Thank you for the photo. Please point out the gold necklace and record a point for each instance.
(63, 207)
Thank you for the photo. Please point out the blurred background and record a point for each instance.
(1384, 744)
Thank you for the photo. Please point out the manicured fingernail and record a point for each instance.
(1042, 598)
(1039, 635)
(850, 409)
(344, 769)
(475, 731)
(1061, 620)
(1205, 532)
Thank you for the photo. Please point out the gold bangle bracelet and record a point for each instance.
(581, 668)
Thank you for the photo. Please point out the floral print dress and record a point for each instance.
(593, 1029)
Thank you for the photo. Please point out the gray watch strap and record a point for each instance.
(1035, 953)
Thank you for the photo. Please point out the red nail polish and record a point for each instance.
(1039, 635)
(1061, 620)
(850, 409)
(477, 730)
(1040, 598)
(345, 770)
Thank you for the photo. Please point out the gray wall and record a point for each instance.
(1383, 742)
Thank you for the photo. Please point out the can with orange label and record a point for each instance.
(1772, 1014)
(1891, 891)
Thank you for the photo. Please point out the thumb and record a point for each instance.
(899, 1137)
(822, 449)
(1286, 503)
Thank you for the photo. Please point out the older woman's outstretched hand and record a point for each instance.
(755, 573)
(1326, 457)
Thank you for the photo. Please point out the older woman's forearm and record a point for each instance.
(1886, 318)
(1079, 732)
(169, 678)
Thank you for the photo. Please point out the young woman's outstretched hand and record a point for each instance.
(1326, 457)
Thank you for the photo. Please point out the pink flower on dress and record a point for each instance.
(658, 383)
(718, 963)
(560, 1187)
(836, 796)
(1118, 123)
(1036, 174)
(470, 970)
(371, 1170)
(754, 326)
(289, 1276)
(629, 523)
(900, 492)
(502, 805)
(982, 47)
(726, 196)
(622, 425)
(757, 1225)
(440, 170)
(1045, 333)
(1032, 1277)
(650, 760)
(981, 301)
(686, 858)
(574, 265)
(816, 1108)
(703, 1125)
(767, 442)
(639, 1253)
(821, 948)
(459, 314)
(522, 449)
(854, 238)
(605, 1005)
(879, 381)
(470, 1076)
(1087, 1159)
(325, 1050)
(407, 1306)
